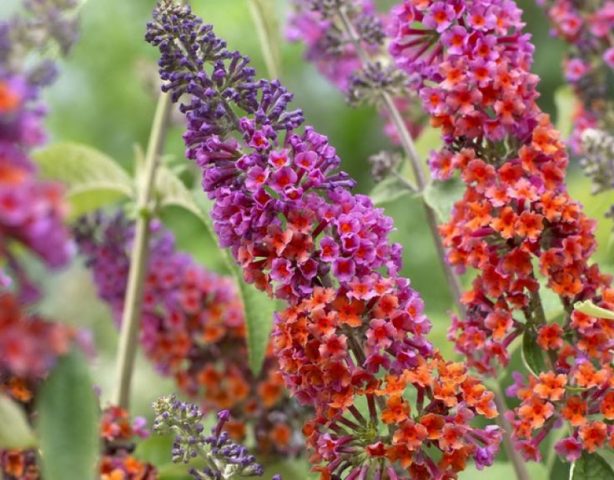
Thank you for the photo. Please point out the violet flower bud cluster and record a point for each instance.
(223, 458)
(331, 48)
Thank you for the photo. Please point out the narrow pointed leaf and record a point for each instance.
(92, 178)
(68, 422)
(15, 432)
(532, 353)
(589, 308)
(258, 306)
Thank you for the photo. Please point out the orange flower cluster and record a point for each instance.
(315, 339)
(118, 436)
(516, 224)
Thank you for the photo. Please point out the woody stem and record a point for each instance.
(131, 315)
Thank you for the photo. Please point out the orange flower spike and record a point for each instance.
(607, 405)
(281, 435)
(421, 375)
(451, 437)
(545, 138)
(410, 435)
(529, 225)
(588, 377)
(500, 322)
(349, 312)
(505, 223)
(550, 337)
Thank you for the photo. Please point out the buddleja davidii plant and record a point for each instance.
(193, 329)
(353, 332)
(346, 41)
(473, 63)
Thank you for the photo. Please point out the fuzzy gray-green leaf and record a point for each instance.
(15, 432)
(92, 178)
(68, 422)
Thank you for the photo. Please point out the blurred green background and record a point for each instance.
(106, 95)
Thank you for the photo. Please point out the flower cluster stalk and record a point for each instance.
(128, 339)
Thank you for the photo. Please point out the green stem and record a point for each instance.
(270, 50)
(517, 461)
(414, 159)
(131, 316)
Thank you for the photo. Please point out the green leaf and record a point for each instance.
(259, 310)
(388, 190)
(591, 466)
(92, 178)
(503, 470)
(441, 196)
(589, 308)
(68, 422)
(290, 469)
(532, 353)
(15, 431)
(565, 101)
(172, 192)
(429, 139)
(257, 305)
(264, 15)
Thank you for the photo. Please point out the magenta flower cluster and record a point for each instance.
(31, 210)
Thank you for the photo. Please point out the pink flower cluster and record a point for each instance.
(192, 329)
(587, 27)
(474, 65)
(31, 210)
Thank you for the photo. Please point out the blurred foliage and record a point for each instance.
(105, 97)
